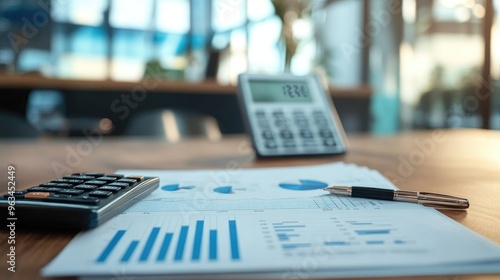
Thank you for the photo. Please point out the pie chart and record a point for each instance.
(224, 190)
(304, 185)
(176, 187)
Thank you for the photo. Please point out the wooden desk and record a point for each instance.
(463, 163)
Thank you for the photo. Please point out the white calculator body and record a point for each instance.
(288, 115)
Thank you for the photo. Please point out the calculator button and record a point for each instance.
(71, 192)
(110, 188)
(321, 122)
(96, 182)
(94, 174)
(72, 199)
(136, 177)
(16, 194)
(82, 177)
(115, 175)
(282, 123)
(69, 181)
(302, 122)
(127, 180)
(318, 114)
(309, 143)
(267, 134)
(54, 189)
(263, 123)
(64, 185)
(106, 178)
(326, 133)
(286, 134)
(60, 181)
(306, 133)
(49, 184)
(278, 114)
(37, 189)
(329, 142)
(271, 144)
(99, 193)
(120, 185)
(289, 144)
(86, 187)
(260, 113)
(37, 195)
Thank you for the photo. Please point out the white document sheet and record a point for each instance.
(275, 222)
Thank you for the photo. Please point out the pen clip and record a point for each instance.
(441, 201)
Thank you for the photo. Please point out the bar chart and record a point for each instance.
(191, 242)
(335, 235)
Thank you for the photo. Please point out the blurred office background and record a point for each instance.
(71, 67)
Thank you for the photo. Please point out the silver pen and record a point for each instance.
(439, 201)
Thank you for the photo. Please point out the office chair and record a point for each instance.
(173, 125)
(15, 126)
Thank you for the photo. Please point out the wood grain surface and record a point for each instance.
(457, 162)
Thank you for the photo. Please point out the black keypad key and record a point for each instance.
(110, 188)
(16, 194)
(119, 184)
(99, 193)
(115, 175)
(38, 189)
(72, 199)
(94, 174)
(83, 177)
(54, 189)
(96, 182)
(108, 179)
(64, 185)
(127, 180)
(49, 184)
(71, 191)
(86, 187)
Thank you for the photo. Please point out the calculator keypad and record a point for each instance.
(296, 130)
(79, 188)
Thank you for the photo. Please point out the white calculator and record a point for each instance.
(288, 115)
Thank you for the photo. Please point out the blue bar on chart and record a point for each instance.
(130, 250)
(296, 245)
(372, 231)
(375, 242)
(111, 245)
(198, 234)
(286, 236)
(181, 243)
(233, 238)
(149, 244)
(156, 241)
(337, 243)
(212, 249)
(288, 226)
(162, 254)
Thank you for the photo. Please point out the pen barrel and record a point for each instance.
(373, 193)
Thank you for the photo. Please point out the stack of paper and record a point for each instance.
(273, 222)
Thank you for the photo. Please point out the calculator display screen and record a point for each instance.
(280, 91)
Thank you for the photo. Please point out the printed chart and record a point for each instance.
(272, 220)
(165, 243)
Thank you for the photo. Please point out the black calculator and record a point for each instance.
(76, 201)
